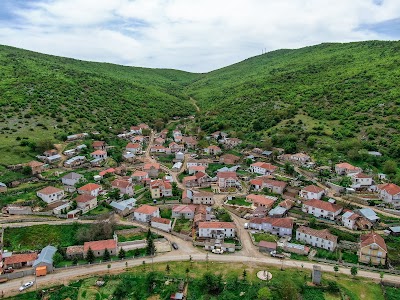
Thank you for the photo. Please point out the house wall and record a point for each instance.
(52, 197)
(374, 255)
(161, 226)
(100, 253)
(320, 213)
(203, 200)
(145, 218)
(315, 241)
(225, 232)
(310, 195)
(67, 181)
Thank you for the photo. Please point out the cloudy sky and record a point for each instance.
(192, 35)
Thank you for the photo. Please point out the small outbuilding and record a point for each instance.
(45, 259)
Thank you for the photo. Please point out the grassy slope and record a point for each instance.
(338, 91)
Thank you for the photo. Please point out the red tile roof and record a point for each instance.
(184, 208)
(139, 174)
(323, 234)
(197, 168)
(98, 144)
(160, 183)
(261, 199)
(346, 165)
(189, 178)
(217, 225)
(120, 183)
(20, 258)
(100, 245)
(99, 152)
(84, 198)
(146, 209)
(371, 238)
(89, 187)
(34, 164)
(50, 190)
(277, 183)
(110, 170)
(313, 189)
(276, 222)
(390, 188)
(362, 175)
(200, 174)
(227, 175)
(151, 165)
(160, 220)
(287, 204)
(132, 146)
(323, 205)
(266, 166)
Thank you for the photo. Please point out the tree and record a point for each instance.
(109, 267)
(106, 255)
(244, 274)
(136, 252)
(289, 169)
(90, 256)
(287, 290)
(390, 167)
(27, 170)
(74, 260)
(264, 294)
(354, 271)
(167, 269)
(150, 248)
(114, 194)
(187, 272)
(336, 269)
(57, 258)
(312, 222)
(44, 145)
(121, 253)
(381, 274)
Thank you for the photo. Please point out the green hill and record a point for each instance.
(336, 100)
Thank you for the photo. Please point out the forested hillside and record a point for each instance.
(335, 100)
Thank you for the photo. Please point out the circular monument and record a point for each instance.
(264, 275)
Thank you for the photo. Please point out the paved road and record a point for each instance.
(66, 275)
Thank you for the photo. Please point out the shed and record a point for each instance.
(73, 213)
(395, 230)
(277, 212)
(265, 246)
(46, 259)
(41, 271)
(369, 214)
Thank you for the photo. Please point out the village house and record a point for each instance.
(217, 230)
(312, 192)
(50, 152)
(175, 147)
(160, 188)
(145, 212)
(276, 226)
(99, 247)
(278, 212)
(288, 204)
(261, 200)
(90, 189)
(262, 168)
(124, 186)
(197, 197)
(229, 159)
(78, 136)
(163, 134)
(194, 169)
(232, 142)
(144, 126)
(37, 167)
(99, 145)
(200, 179)
(3, 187)
(75, 161)
(179, 156)
(317, 238)
(354, 221)
(161, 223)
(227, 180)
(136, 130)
(190, 142)
(86, 202)
(197, 162)
(360, 181)
(346, 169)
(124, 207)
(389, 193)
(135, 148)
(107, 171)
(322, 209)
(369, 214)
(184, 211)
(177, 134)
(138, 139)
(372, 250)
(152, 169)
(139, 176)
(99, 154)
(45, 259)
(212, 150)
(274, 186)
(18, 261)
(50, 194)
(159, 141)
(72, 178)
(259, 212)
(159, 149)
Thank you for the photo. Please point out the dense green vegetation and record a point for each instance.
(337, 101)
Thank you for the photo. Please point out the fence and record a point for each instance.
(18, 274)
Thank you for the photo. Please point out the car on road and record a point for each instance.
(175, 246)
(194, 155)
(25, 286)
(217, 251)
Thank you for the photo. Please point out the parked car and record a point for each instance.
(277, 255)
(9, 270)
(25, 286)
(175, 246)
(217, 251)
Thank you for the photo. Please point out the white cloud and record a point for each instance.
(188, 34)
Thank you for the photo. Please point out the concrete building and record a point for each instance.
(317, 238)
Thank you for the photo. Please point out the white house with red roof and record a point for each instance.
(86, 202)
(50, 194)
(194, 169)
(90, 189)
(261, 200)
(322, 209)
(159, 141)
(277, 226)
(135, 148)
(232, 142)
(139, 176)
(184, 211)
(212, 150)
(227, 179)
(216, 230)
(124, 186)
(354, 221)
(263, 168)
(312, 192)
(161, 223)
(99, 145)
(360, 180)
(99, 247)
(197, 180)
(317, 238)
(175, 147)
(275, 186)
(137, 139)
(145, 212)
(160, 188)
(389, 193)
(346, 169)
(99, 154)
(159, 149)
(136, 130)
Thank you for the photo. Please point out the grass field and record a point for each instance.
(239, 201)
(264, 237)
(141, 283)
